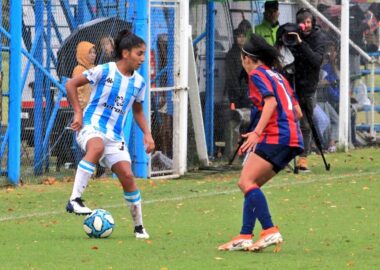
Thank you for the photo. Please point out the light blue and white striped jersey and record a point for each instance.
(111, 98)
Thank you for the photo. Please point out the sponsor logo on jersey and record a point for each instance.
(111, 107)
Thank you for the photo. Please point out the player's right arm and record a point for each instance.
(71, 88)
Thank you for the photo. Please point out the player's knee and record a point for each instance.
(244, 186)
(97, 149)
(126, 176)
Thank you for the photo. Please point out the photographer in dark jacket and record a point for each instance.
(308, 56)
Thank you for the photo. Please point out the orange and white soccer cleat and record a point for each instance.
(268, 238)
(240, 242)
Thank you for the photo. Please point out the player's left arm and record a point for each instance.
(270, 105)
(138, 114)
(298, 112)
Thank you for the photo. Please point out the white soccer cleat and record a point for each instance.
(78, 207)
(141, 233)
(240, 242)
(268, 238)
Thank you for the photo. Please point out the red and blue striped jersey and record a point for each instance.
(282, 128)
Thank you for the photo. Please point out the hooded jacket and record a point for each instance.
(308, 57)
(83, 50)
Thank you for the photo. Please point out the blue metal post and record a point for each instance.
(199, 38)
(14, 147)
(81, 12)
(210, 52)
(170, 60)
(49, 96)
(65, 4)
(123, 11)
(140, 166)
(38, 90)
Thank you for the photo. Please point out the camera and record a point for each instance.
(286, 38)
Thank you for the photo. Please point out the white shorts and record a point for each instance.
(114, 151)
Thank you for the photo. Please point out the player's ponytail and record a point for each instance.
(126, 40)
(258, 49)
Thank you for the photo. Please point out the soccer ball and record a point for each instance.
(99, 224)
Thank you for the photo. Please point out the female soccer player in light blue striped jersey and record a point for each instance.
(116, 88)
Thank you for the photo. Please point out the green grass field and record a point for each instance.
(329, 220)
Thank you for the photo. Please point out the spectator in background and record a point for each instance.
(308, 54)
(106, 50)
(269, 26)
(85, 55)
(236, 88)
(246, 27)
(358, 26)
(371, 36)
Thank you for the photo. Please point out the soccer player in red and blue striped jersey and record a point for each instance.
(272, 144)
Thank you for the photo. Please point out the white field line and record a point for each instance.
(320, 178)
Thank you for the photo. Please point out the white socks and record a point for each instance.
(84, 172)
(134, 203)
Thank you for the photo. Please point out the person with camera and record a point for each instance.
(268, 27)
(307, 46)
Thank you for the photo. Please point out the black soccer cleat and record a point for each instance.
(78, 207)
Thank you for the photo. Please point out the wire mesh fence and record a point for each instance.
(164, 65)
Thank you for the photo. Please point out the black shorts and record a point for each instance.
(277, 154)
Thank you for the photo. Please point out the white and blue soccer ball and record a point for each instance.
(99, 224)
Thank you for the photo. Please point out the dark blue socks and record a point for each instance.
(255, 206)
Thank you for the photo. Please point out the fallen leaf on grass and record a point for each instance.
(94, 247)
(49, 181)
(152, 183)
(68, 179)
